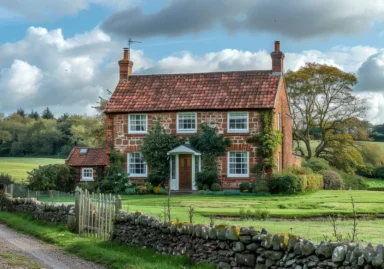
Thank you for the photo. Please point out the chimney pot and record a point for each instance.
(277, 45)
(125, 65)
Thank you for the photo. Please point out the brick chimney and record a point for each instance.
(277, 59)
(125, 65)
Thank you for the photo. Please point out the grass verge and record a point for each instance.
(110, 254)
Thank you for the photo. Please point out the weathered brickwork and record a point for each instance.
(282, 111)
(125, 142)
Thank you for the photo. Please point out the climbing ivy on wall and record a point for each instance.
(266, 143)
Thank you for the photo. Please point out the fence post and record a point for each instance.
(77, 209)
(118, 207)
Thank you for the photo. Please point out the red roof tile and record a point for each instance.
(198, 91)
(93, 157)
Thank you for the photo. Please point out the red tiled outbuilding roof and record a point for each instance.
(92, 157)
(197, 91)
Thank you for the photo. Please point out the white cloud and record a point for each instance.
(371, 73)
(45, 69)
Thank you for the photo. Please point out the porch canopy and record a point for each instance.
(184, 149)
(185, 162)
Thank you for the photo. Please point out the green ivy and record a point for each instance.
(155, 147)
(266, 143)
(211, 145)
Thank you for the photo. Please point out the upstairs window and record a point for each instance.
(137, 124)
(238, 122)
(87, 174)
(186, 122)
(136, 165)
(238, 164)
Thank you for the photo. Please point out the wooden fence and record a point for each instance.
(95, 213)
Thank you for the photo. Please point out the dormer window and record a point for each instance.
(137, 123)
(238, 122)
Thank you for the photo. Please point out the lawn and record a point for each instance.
(18, 167)
(299, 212)
(110, 254)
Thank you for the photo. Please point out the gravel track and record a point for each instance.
(23, 251)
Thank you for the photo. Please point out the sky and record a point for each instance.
(64, 54)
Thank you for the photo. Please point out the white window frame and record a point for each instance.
(229, 130)
(83, 178)
(137, 132)
(228, 164)
(186, 131)
(128, 164)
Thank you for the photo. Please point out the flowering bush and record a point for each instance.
(157, 189)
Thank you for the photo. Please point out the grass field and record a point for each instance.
(110, 254)
(18, 167)
(291, 208)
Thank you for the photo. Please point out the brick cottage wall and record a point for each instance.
(242, 247)
(282, 108)
(117, 135)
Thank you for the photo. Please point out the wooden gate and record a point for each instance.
(95, 213)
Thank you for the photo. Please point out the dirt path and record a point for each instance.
(23, 251)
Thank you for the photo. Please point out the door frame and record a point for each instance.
(175, 182)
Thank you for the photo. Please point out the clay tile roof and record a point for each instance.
(197, 91)
(93, 157)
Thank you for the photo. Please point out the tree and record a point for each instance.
(321, 98)
(21, 112)
(34, 115)
(47, 114)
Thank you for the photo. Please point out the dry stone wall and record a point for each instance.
(40, 211)
(240, 247)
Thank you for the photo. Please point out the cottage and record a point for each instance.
(88, 163)
(230, 101)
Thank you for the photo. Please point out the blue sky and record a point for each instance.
(51, 51)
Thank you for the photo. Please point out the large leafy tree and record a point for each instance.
(321, 99)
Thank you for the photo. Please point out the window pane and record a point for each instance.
(136, 164)
(138, 123)
(238, 121)
(238, 163)
(187, 121)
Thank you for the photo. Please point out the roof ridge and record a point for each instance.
(202, 73)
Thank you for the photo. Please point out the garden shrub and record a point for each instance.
(332, 180)
(156, 189)
(52, 177)
(156, 178)
(245, 187)
(206, 178)
(87, 186)
(116, 180)
(310, 180)
(287, 183)
(378, 172)
(5, 179)
(130, 191)
(260, 186)
(351, 180)
(365, 171)
(215, 187)
(316, 164)
(205, 187)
